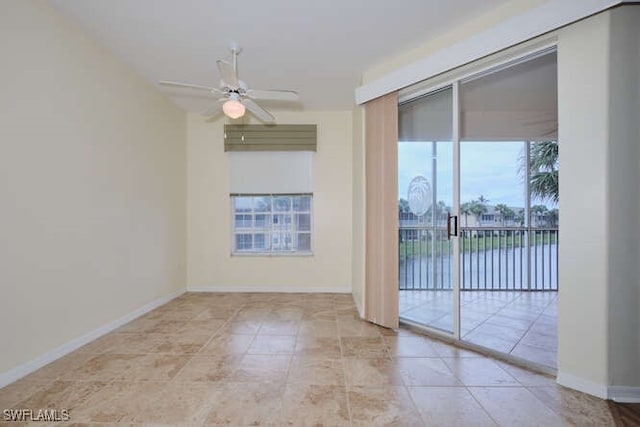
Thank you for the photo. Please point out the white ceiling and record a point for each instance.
(319, 48)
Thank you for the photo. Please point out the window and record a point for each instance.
(271, 223)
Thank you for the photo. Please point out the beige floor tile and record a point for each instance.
(400, 346)
(156, 367)
(316, 371)
(246, 404)
(372, 372)
(202, 327)
(527, 377)
(60, 367)
(449, 407)
(320, 347)
(272, 344)
(259, 368)
(318, 328)
(425, 372)
(357, 328)
(180, 365)
(20, 390)
(576, 408)
(315, 405)
(241, 326)
(136, 343)
(181, 344)
(515, 406)
(364, 347)
(480, 372)
(119, 402)
(104, 367)
(181, 404)
(382, 406)
(61, 395)
(228, 344)
(209, 368)
(319, 313)
(279, 327)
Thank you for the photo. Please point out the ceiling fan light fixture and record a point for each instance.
(233, 108)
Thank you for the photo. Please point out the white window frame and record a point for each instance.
(275, 233)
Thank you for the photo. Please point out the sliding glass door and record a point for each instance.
(426, 202)
(478, 191)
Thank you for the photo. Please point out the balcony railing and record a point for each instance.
(491, 258)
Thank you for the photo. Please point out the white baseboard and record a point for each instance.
(585, 386)
(624, 394)
(26, 368)
(297, 289)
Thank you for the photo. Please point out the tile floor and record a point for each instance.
(523, 324)
(289, 360)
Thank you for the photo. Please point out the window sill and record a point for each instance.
(271, 254)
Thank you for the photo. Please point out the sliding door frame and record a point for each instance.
(454, 79)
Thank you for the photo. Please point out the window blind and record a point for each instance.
(271, 172)
(427, 118)
(516, 103)
(270, 137)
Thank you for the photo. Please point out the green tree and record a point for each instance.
(403, 206)
(543, 170)
(538, 212)
(504, 211)
(478, 207)
(552, 217)
(519, 217)
(465, 209)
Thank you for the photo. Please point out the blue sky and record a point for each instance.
(486, 168)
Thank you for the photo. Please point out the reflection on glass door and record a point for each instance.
(425, 169)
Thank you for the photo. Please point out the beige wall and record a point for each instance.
(209, 213)
(92, 180)
(583, 93)
(359, 203)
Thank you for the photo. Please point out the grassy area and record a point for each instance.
(472, 244)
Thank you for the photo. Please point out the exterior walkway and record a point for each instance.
(523, 324)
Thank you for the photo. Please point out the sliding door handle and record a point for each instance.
(455, 225)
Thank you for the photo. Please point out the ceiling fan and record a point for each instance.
(235, 96)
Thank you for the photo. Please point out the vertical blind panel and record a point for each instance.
(267, 172)
(513, 104)
(428, 118)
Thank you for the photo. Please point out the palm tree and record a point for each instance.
(465, 209)
(537, 212)
(543, 170)
(478, 208)
(519, 217)
(505, 211)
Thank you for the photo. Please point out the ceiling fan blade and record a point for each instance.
(189, 86)
(258, 111)
(272, 94)
(227, 73)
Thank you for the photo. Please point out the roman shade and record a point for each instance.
(270, 137)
